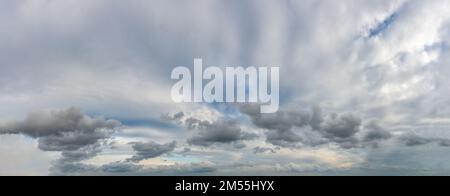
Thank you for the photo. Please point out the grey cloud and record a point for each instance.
(65, 130)
(120, 167)
(131, 169)
(77, 136)
(282, 120)
(81, 154)
(289, 128)
(375, 132)
(283, 138)
(150, 150)
(342, 129)
(341, 126)
(239, 145)
(75, 168)
(186, 150)
(412, 139)
(280, 125)
(258, 150)
(181, 169)
(221, 131)
(444, 143)
(70, 141)
(98, 38)
(178, 116)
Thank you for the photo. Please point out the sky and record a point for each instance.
(85, 87)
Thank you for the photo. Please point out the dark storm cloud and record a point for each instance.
(150, 150)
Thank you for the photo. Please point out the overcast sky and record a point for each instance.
(85, 87)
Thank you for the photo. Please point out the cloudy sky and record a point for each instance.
(85, 87)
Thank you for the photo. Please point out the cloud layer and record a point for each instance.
(364, 86)
(78, 137)
(150, 150)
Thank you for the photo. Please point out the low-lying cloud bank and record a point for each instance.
(150, 150)
(80, 137)
(290, 128)
(77, 136)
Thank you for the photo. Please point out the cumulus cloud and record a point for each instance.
(150, 150)
(387, 61)
(221, 131)
(48, 122)
(77, 136)
(376, 132)
(290, 128)
(296, 129)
